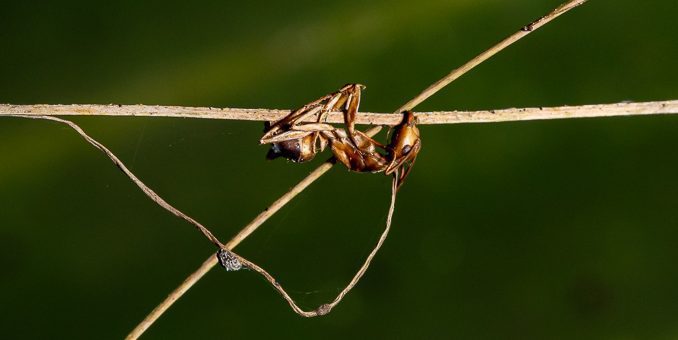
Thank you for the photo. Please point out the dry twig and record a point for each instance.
(363, 118)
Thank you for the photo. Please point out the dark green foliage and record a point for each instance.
(559, 229)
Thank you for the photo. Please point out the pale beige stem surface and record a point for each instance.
(363, 118)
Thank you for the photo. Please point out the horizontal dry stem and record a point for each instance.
(439, 117)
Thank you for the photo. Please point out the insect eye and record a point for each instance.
(407, 149)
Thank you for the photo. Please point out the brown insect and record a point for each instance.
(300, 141)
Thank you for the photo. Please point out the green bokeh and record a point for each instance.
(557, 229)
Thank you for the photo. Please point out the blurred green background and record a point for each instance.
(555, 229)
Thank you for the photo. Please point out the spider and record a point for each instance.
(295, 140)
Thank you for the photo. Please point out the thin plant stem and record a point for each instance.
(363, 118)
